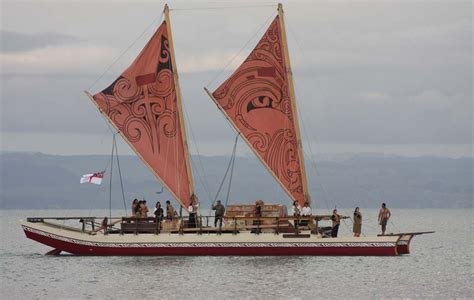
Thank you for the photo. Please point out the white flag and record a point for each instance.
(95, 178)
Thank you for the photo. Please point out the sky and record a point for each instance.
(389, 77)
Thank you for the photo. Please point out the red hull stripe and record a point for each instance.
(221, 250)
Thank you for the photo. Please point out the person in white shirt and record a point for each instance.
(305, 212)
(192, 210)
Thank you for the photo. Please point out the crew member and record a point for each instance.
(218, 216)
(384, 215)
(336, 221)
(357, 227)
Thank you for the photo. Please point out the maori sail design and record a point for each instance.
(143, 105)
(256, 100)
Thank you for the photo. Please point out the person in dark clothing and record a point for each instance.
(219, 215)
(158, 212)
(257, 214)
(336, 221)
(104, 224)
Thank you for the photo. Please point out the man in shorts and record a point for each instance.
(384, 215)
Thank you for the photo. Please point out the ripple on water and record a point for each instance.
(440, 266)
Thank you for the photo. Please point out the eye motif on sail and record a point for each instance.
(143, 105)
(256, 99)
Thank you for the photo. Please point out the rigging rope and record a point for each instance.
(241, 49)
(393, 224)
(126, 50)
(120, 175)
(305, 131)
(231, 171)
(229, 167)
(220, 7)
(203, 182)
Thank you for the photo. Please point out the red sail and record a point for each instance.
(142, 104)
(256, 100)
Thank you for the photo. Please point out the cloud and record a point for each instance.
(374, 97)
(93, 59)
(210, 62)
(12, 41)
(57, 59)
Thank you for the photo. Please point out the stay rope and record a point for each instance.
(240, 51)
(160, 17)
(120, 175)
(305, 132)
(220, 7)
(230, 167)
(201, 165)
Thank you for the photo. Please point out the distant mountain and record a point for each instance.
(40, 181)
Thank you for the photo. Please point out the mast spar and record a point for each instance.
(189, 172)
(144, 105)
(289, 73)
(258, 100)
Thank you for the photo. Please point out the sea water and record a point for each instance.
(440, 266)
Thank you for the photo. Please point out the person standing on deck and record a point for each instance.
(357, 227)
(158, 212)
(295, 211)
(169, 211)
(336, 221)
(306, 212)
(257, 214)
(219, 215)
(192, 210)
(384, 215)
(144, 209)
(134, 206)
(138, 210)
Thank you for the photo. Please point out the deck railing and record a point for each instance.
(235, 224)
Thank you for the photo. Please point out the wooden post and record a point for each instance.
(178, 102)
(200, 225)
(235, 226)
(258, 225)
(181, 226)
(289, 73)
(278, 226)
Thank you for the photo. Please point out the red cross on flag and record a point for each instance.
(95, 178)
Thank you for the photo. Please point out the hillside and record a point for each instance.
(38, 181)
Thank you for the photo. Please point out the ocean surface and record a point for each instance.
(440, 266)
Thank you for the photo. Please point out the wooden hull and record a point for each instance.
(242, 244)
(403, 244)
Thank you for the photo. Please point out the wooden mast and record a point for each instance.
(289, 73)
(179, 103)
(180, 117)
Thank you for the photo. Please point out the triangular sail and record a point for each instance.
(257, 100)
(143, 105)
